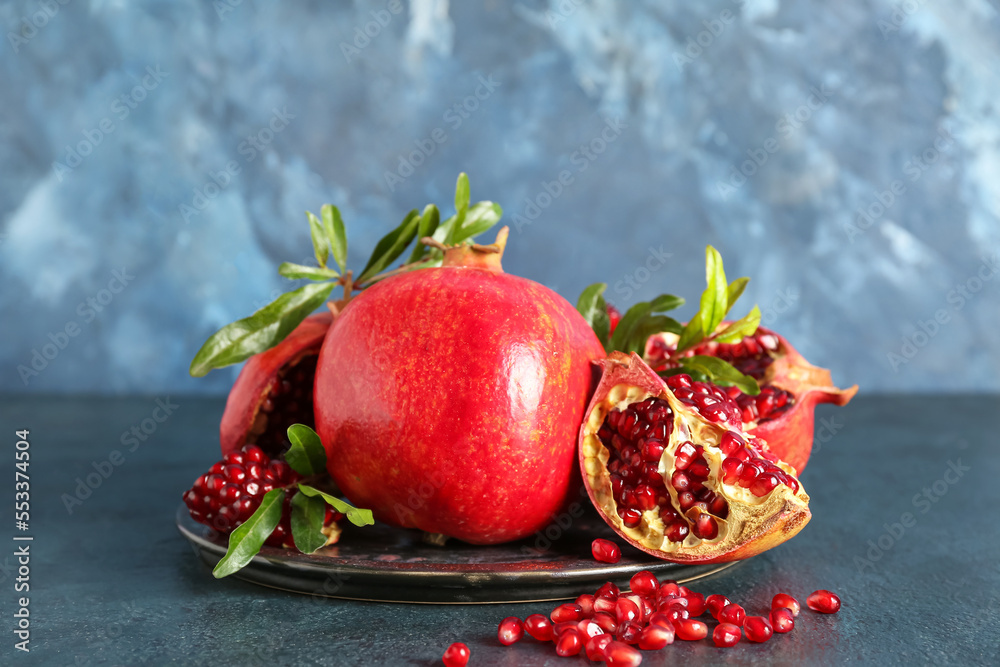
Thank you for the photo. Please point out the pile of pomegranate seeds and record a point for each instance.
(615, 626)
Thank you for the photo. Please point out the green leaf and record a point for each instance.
(740, 328)
(336, 234)
(391, 246)
(628, 322)
(429, 221)
(715, 298)
(456, 222)
(320, 245)
(734, 291)
(308, 514)
(245, 542)
(722, 373)
(358, 517)
(267, 327)
(691, 335)
(306, 455)
(665, 302)
(300, 272)
(480, 217)
(592, 306)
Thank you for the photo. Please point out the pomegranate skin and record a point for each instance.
(258, 376)
(450, 399)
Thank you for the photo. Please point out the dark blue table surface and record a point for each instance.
(114, 583)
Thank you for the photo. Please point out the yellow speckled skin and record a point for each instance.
(450, 400)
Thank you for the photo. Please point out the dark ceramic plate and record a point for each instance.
(384, 564)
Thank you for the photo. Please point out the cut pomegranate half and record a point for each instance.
(676, 483)
(275, 390)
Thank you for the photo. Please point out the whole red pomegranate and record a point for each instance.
(450, 398)
(791, 388)
(274, 390)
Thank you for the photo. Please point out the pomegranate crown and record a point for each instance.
(446, 242)
(631, 332)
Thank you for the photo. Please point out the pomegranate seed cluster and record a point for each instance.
(752, 356)
(712, 402)
(614, 627)
(636, 438)
(232, 490)
(289, 401)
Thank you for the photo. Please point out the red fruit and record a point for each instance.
(791, 387)
(782, 620)
(715, 603)
(567, 612)
(824, 602)
(586, 602)
(605, 551)
(456, 655)
(726, 635)
(690, 630)
(627, 610)
(783, 600)
(224, 505)
(655, 637)
(569, 643)
(619, 654)
(436, 383)
(757, 629)
(594, 648)
(511, 630)
(614, 317)
(644, 583)
(539, 627)
(606, 621)
(732, 613)
(274, 390)
(712, 520)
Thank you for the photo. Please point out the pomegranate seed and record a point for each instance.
(824, 602)
(690, 630)
(706, 527)
(644, 583)
(606, 621)
(606, 605)
(782, 620)
(607, 590)
(628, 632)
(619, 654)
(511, 630)
(569, 643)
(715, 603)
(655, 637)
(567, 612)
(763, 485)
(594, 648)
(661, 618)
(539, 627)
(631, 517)
(696, 604)
(782, 600)
(589, 628)
(586, 602)
(732, 613)
(626, 610)
(726, 635)
(456, 655)
(757, 629)
(605, 551)
(677, 531)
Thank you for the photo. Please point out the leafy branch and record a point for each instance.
(647, 318)
(308, 458)
(269, 325)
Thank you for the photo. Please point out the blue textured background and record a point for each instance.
(836, 101)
